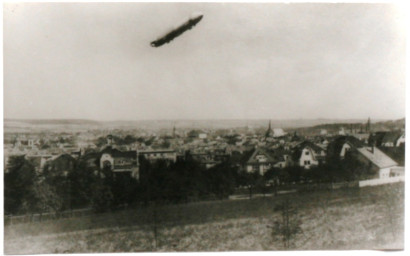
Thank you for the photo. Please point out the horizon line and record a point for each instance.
(188, 119)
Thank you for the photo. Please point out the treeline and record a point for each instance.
(26, 191)
(51, 190)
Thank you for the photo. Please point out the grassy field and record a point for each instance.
(366, 218)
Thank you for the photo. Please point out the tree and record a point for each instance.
(19, 183)
(273, 176)
(221, 180)
(295, 173)
(288, 226)
(56, 174)
(101, 141)
(80, 180)
(129, 139)
(123, 188)
(261, 184)
(102, 198)
(165, 144)
(47, 198)
(248, 180)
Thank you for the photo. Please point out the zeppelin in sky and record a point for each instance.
(168, 37)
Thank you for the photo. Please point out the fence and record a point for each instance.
(375, 182)
(38, 217)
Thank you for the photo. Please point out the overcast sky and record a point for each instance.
(279, 61)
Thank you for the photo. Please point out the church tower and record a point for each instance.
(269, 132)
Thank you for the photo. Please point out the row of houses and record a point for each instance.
(253, 154)
(307, 154)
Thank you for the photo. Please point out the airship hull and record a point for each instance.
(168, 37)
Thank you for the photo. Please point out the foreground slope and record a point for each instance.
(367, 218)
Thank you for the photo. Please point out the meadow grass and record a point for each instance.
(366, 218)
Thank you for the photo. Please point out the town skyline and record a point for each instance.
(243, 61)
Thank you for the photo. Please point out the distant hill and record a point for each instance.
(226, 123)
(52, 121)
(389, 125)
(27, 125)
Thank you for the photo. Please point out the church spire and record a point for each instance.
(269, 132)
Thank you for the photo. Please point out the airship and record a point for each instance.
(179, 30)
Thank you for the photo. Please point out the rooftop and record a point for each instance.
(377, 157)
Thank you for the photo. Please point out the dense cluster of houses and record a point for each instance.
(248, 150)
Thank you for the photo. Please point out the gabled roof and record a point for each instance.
(259, 151)
(91, 155)
(311, 145)
(336, 145)
(117, 153)
(150, 151)
(377, 157)
(391, 137)
(297, 153)
(376, 138)
(306, 144)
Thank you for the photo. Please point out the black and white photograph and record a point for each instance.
(136, 127)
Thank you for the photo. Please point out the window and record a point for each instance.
(307, 153)
(307, 162)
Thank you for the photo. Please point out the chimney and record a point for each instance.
(372, 148)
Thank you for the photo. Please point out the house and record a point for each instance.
(390, 139)
(401, 140)
(259, 160)
(397, 171)
(376, 160)
(39, 161)
(307, 154)
(376, 139)
(278, 132)
(60, 165)
(209, 159)
(92, 159)
(364, 137)
(341, 145)
(205, 159)
(159, 154)
(202, 135)
(119, 161)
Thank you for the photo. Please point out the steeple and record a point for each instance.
(269, 132)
